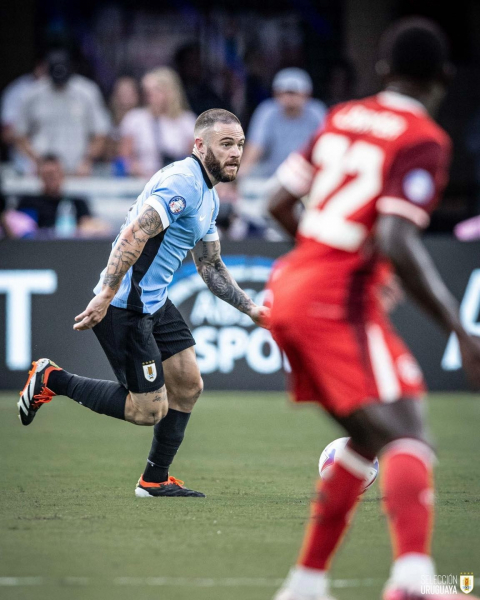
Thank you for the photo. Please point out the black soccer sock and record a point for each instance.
(103, 397)
(167, 436)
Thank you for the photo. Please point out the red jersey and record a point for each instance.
(379, 155)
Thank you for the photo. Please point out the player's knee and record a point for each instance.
(196, 389)
(150, 408)
(150, 415)
(159, 411)
(185, 395)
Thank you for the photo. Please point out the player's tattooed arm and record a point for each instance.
(130, 245)
(213, 271)
(125, 253)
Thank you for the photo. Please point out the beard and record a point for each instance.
(216, 170)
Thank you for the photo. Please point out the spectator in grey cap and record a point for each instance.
(281, 124)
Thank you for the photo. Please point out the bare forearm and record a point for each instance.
(123, 256)
(23, 144)
(221, 283)
(8, 134)
(422, 280)
(214, 273)
(96, 147)
(283, 208)
(129, 247)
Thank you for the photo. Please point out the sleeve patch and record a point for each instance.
(419, 186)
(177, 205)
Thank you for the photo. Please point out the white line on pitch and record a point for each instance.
(198, 581)
(173, 581)
(21, 581)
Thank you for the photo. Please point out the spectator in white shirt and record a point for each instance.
(162, 131)
(11, 101)
(64, 114)
(13, 96)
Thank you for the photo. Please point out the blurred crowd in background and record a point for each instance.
(78, 149)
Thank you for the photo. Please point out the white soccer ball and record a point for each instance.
(327, 458)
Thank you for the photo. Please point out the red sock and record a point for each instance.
(407, 485)
(336, 498)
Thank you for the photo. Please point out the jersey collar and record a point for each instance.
(204, 172)
(401, 102)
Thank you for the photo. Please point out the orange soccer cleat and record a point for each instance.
(36, 391)
(171, 487)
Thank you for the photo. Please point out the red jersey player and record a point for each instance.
(373, 174)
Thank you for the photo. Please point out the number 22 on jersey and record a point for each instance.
(349, 177)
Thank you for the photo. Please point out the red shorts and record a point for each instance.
(345, 365)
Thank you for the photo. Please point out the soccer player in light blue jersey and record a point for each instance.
(146, 340)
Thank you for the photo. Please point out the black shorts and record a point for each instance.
(136, 344)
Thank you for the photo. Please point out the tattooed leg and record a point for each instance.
(148, 408)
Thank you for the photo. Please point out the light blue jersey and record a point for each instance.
(183, 196)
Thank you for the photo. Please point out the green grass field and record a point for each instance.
(71, 527)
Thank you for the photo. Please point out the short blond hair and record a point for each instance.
(168, 78)
(214, 115)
